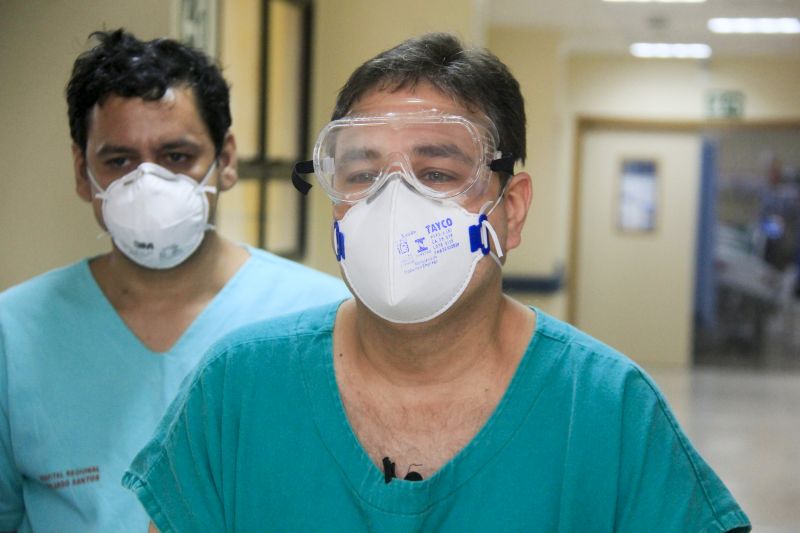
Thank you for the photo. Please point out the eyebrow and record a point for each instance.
(358, 154)
(442, 150)
(180, 143)
(426, 150)
(117, 149)
(114, 149)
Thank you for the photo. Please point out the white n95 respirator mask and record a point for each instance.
(407, 257)
(155, 217)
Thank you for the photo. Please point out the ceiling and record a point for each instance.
(610, 27)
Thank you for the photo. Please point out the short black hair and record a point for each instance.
(122, 65)
(475, 77)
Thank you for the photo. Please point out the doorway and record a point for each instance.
(748, 288)
(686, 239)
(633, 243)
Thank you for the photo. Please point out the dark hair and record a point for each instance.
(122, 65)
(475, 77)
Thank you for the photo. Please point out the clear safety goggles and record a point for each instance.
(440, 155)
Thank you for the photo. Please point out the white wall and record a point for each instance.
(622, 86)
(534, 59)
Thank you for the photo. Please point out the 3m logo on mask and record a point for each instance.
(143, 245)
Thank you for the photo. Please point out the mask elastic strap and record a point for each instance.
(487, 229)
(205, 188)
(102, 193)
(496, 202)
(202, 185)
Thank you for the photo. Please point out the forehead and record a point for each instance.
(421, 97)
(126, 120)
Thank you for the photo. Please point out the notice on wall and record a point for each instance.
(638, 196)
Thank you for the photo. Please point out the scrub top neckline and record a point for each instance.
(108, 310)
(403, 497)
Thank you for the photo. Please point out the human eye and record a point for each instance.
(361, 178)
(177, 158)
(116, 162)
(437, 177)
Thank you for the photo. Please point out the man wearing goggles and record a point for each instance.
(431, 401)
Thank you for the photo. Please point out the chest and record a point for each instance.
(420, 436)
(159, 325)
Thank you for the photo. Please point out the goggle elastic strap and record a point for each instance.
(503, 164)
(302, 167)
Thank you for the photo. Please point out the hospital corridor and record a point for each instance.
(657, 210)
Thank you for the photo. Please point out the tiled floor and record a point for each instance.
(746, 424)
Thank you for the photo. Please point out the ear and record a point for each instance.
(82, 184)
(517, 200)
(228, 163)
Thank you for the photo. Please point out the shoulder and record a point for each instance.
(40, 289)
(275, 265)
(579, 348)
(590, 367)
(271, 285)
(268, 344)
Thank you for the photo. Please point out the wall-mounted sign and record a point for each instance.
(638, 196)
(724, 104)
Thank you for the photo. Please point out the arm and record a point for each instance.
(152, 528)
(664, 482)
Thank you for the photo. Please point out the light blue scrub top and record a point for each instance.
(80, 394)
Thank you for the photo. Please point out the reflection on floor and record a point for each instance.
(746, 424)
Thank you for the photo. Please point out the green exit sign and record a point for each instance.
(725, 104)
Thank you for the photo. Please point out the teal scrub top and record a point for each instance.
(582, 440)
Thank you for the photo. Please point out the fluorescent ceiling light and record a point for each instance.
(661, 1)
(754, 25)
(671, 50)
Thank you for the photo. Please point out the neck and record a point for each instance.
(207, 270)
(471, 339)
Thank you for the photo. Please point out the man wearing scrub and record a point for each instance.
(91, 354)
(430, 401)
